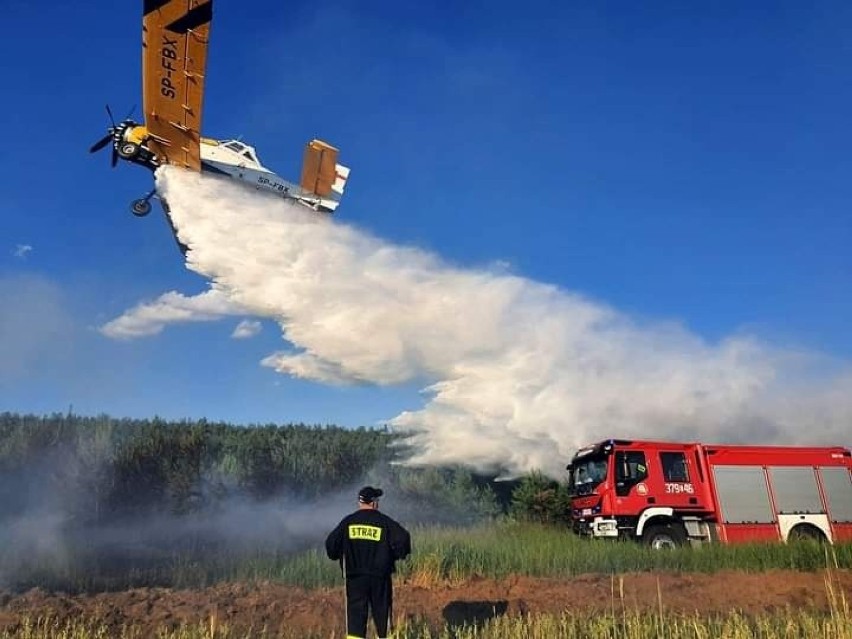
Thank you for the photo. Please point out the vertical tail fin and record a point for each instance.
(319, 168)
(323, 176)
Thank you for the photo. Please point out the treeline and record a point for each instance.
(93, 503)
(105, 470)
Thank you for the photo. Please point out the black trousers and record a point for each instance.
(365, 594)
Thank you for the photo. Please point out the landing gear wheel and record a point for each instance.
(140, 208)
(128, 150)
(664, 536)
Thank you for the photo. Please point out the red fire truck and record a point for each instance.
(667, 494)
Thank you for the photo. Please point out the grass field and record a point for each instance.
(449, 556)
(626, 625)
(454, 554)
(440, 554)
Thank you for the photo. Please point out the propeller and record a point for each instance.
(97, 146)
(111, 132)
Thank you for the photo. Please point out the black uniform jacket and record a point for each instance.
(368, 542)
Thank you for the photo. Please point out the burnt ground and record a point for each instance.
(254, 605)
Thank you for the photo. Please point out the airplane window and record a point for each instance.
(248, 155)
(235, 146)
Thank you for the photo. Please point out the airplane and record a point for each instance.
(175, 35)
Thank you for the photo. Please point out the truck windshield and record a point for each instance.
(586, 474)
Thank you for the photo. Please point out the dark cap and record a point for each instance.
(368, 494)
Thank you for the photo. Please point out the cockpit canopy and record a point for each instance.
(243, 149)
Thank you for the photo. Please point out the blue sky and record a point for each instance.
(678, 161)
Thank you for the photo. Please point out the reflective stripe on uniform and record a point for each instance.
(362, 531)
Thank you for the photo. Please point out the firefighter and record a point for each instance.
(367, 544)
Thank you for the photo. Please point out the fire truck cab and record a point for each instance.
(667, 494)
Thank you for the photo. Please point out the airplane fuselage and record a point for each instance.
(239, 160)
(231, 158)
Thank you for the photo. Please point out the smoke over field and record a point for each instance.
(97, 502)
(520, 372)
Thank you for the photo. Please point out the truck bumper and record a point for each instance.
(597, 527)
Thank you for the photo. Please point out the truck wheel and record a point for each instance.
(663, 536)
(806, 532)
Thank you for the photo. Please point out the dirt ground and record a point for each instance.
(276, 606)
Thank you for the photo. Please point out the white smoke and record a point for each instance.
(520, 373)
(150, 318)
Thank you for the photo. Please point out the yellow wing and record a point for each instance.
(174, 53)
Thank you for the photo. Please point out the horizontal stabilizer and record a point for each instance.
(341, 175)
